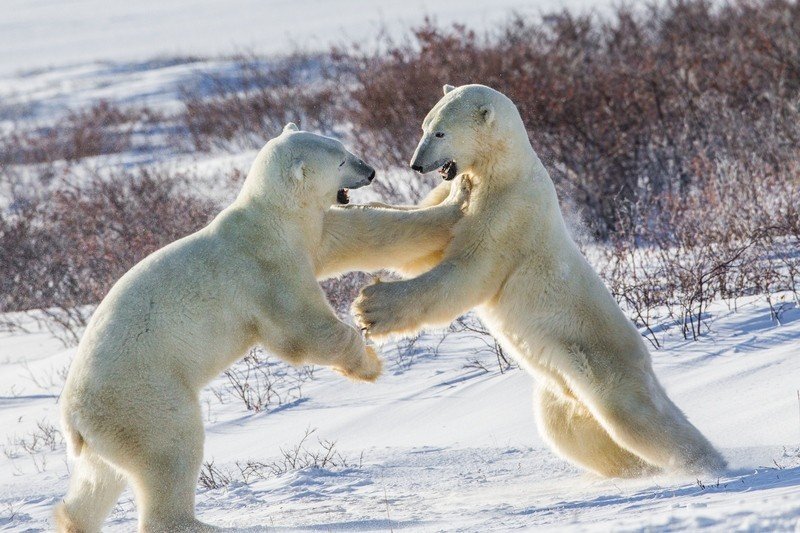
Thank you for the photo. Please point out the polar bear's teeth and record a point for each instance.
(448, 170)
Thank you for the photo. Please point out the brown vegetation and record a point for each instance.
(673, 129)
(63, 249)
(635, 102)
(245, 109)
(101, 129)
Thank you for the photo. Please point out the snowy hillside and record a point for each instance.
(436, 446)
(35, 35)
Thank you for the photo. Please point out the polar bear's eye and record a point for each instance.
(439, 134)
(342, 163)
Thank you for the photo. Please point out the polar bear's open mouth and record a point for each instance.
(449, 170)
(343, 196)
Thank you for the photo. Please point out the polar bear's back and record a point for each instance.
(168, 306)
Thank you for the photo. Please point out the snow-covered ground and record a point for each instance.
(435, 446)
(46, 33)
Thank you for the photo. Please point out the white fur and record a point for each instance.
(599, 402)
(176, 320)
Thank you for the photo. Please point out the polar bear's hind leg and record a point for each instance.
(651, 426)
(577, 436)
(164, 472)
(94, 488)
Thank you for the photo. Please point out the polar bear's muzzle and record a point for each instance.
(362, 175)
(446, 167)
(428, 157)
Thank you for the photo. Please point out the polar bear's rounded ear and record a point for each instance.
(298, 170)
(291, 126)
(446, 88)
(486, 112)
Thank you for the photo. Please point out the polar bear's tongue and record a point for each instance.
(343, 196)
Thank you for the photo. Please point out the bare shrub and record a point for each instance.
(324, 455)
(101, 129)
(297, 457)
(613, 104)
(212, 477)
(12, 513)
(262, 383)
(257, 100)
(47, 380)
(64, 249)
(405, 352)
(730, 236)
(36, 444)
(341, 291)
(469, 326)
(790, 458)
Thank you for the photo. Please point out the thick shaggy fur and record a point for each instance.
(176, 320)
(599, 403)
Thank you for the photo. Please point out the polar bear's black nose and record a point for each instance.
(418, 168)
(371, 176)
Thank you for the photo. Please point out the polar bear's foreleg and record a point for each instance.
(304, 329)
(371, 239)
(330, 342)
(93, 490)
(576, 435)
(436, 196)
(642, 419)
(435, 298)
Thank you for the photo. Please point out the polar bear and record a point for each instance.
(599, 403)
(176, 320)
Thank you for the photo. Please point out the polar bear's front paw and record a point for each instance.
(367, 205)
(462, 194)
(367, 369)
(379, 310)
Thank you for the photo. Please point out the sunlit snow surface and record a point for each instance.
(42, 33)
(452, 448)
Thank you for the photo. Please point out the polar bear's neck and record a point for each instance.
(276, 214)
(516, 169)
(506, 161)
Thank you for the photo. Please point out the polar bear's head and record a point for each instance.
(309, 166)
(465, 130)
